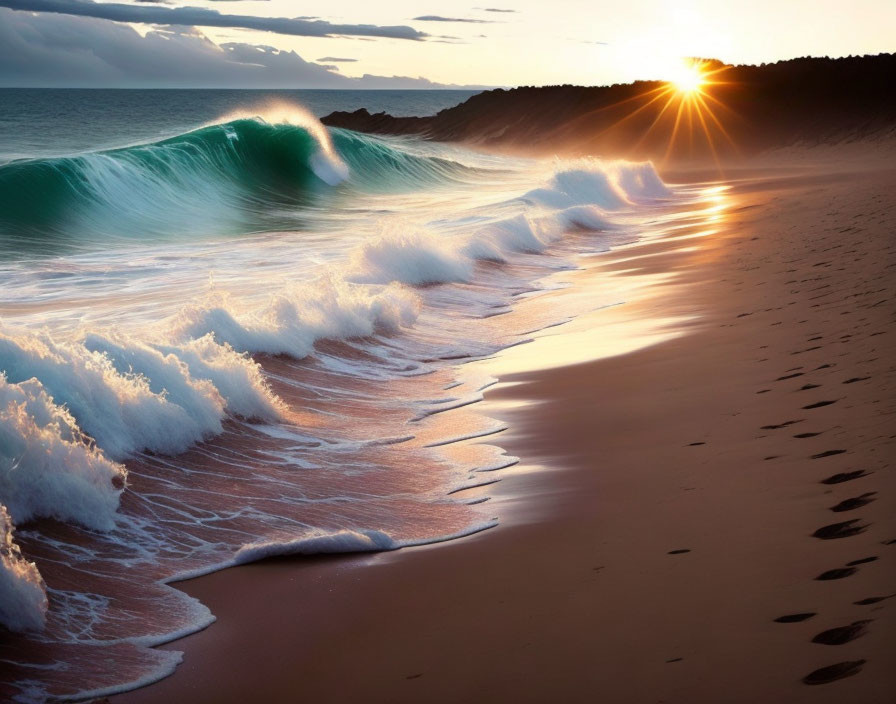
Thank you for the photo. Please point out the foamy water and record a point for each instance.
(249, 340)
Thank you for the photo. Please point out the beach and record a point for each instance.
(395, 354)
(703, 508)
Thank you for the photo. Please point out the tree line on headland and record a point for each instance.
(739, 111)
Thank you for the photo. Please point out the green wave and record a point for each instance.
(231, 178)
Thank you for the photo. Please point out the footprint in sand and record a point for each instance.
(838, 573)
(854, 503)
(841, 477)
(832, 673)
(781, 425)
(794, 618)
(827, 453)
(843, 634)
(872, 600)
(862, 561)
(820, 404)
(840, 530)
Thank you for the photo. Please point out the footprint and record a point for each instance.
(827, 453)
(678, 552)
(856, 378)
(854, 503)
(820, 404)
(790, 376)
(862, 561)
(781, 425)
(794, 618)
(872, 600)
(832, 673)
(841, 477)
(843, 634)
(839, 573)
(806, 387)
(840, 530)
(806, 435)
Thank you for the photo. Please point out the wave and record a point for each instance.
(241, 175)
(131, 396)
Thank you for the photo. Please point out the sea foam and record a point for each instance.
(117, 408)
(23, 597)
(48, 468)
(295, 319)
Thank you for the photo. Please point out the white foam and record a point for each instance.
(607, 185)
(520, 233)
(300, 316)
(639, 180)
(409, 256)
(176, 369)
(118, 409)
(584, 217)
(47, 467)
(319, 542)
(23, 596)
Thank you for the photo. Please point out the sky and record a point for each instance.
(415, 43)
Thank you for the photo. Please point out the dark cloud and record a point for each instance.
(204, 17)
(439, 18)
(336, 60)
(52, 50)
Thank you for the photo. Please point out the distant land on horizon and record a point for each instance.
(813, 99)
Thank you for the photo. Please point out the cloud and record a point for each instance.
(336, 60)
(51, 50)
(154, 13)
(439, 18)
(495, 9)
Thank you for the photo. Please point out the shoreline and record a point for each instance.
(576, 594)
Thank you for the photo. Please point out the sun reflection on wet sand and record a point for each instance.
(621, 294)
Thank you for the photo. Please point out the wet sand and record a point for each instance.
(707, 518)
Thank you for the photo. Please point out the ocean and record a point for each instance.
(227, 332)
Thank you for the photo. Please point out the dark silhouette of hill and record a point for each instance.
(806, 100)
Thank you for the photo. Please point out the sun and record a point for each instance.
(688, 78)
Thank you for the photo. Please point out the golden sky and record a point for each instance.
(557, 41)
(495, 43)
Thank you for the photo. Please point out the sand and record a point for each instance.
(705, 518)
